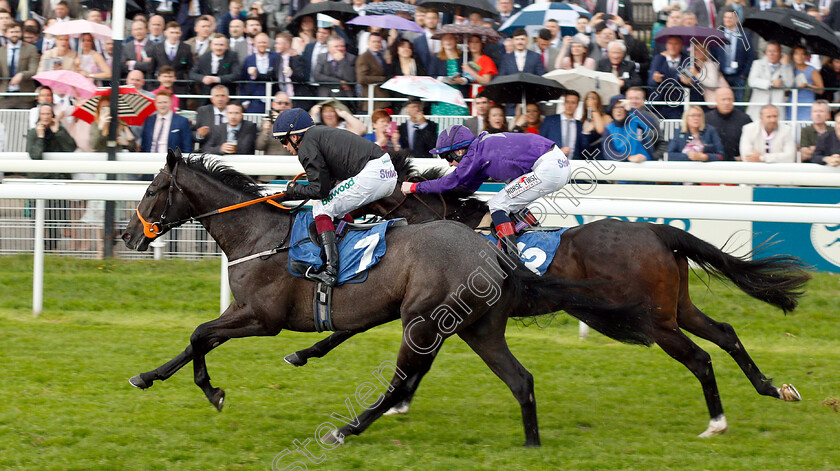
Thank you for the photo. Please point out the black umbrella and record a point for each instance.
(792, 28)
(462, 7)
(524, 87)
(339, 10)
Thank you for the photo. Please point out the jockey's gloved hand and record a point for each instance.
(290, 187)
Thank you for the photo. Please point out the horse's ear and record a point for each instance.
(172, 157)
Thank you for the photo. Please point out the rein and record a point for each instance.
(153, 229)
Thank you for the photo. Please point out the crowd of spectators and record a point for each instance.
(177, 50)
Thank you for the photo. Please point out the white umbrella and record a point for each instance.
(77, 28)
(425, 87)
(583, 81)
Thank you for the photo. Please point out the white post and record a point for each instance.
(157, 246)
(794, 118)
(118, 20)
(371, 90)
(38, 275)
(224, 289)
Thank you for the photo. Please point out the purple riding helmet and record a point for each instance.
(451, 139)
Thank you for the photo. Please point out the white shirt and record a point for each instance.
(412, 129)
(13, 48)
(520, 59)
(219, 116)
(317, 50)
(768, 139)
(434, 44)
(262, 63)
(201, 46)
(569, 134)
(160, 137)
(170, 49)
(214, 63)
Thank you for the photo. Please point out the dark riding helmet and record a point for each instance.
(291, 122)
(451, 139)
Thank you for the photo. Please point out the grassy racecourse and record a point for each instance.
(66, 403)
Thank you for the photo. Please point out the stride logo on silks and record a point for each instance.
(387, 174)
(524, 183)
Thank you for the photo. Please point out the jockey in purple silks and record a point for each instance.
(533, 165)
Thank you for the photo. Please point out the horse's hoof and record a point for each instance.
(218, 399)
(789, 393)
(333, 438)
(295, 360)
(532, 443)
(717, 426)
(399, 409)
(138, 382)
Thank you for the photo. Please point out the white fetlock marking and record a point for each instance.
(398, 409)
(717, 426)
(789, 393)
(337, 437)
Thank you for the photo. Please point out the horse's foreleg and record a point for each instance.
(724, 336)
(300, 357)
(163, 372)
(236, 323)
(681, 348)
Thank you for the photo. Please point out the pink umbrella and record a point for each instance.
(67, 82)
(386, 22)
(77, 28)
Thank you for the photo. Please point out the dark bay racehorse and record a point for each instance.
(633, 262)
(425, 266)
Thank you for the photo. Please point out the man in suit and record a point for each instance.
(311, 53)
(157, 25)
(506, 10)
(172, 52)
(729, 123)
(481, 105)
(617, 64)
(622, 8)
(548, 53)
(290, 67)
(137, 49)
(737, 55)
(188, 14)
(235, 137)
(216, 66)
(259, 68)
(601, 38)
(212, 114)
(767, 140)
(417, 134)
(165, 129)
(706, 12)
(336, 70)
(424, 46)
(18, 60)
(234, 13)
(637, 51)
(370, 69)
(768, 78)
(666, 77)
(238, 43)
(521, 59)
(564, 129)
(200, 43)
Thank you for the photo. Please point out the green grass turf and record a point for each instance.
(66, 403)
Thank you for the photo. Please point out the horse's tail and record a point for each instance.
(776, 280)
(537, 295)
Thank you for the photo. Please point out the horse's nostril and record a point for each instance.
(126, 236)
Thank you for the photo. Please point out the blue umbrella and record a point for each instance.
(386, 22)
(388, 8)
(533, 18)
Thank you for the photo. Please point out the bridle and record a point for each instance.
(153, 230)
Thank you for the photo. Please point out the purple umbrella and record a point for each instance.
(386, 22)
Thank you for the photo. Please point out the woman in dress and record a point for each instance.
(60, 57)
(807, 80)
(448, 64)
(90, 63)
(573, 54)
(480, 67)
(707, 72)
(530, 121)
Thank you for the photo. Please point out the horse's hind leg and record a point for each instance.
(723, 335)
(320, 349)
(681, 348)
(487, 338)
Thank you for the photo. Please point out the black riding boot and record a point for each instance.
(329, 274)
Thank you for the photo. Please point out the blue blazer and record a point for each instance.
(258, 89)
(533, 64)
(180, 134)
(421, 51)
(712, 145)
(743, 57)
(660, 64)
(552, 128)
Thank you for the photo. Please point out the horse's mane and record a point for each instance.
(225, 174)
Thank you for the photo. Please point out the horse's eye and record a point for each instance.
(150, 193)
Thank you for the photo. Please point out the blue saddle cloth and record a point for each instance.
(537, 248)
(358, 251)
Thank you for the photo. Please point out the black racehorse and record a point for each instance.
(425, 266)
(633, 262)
